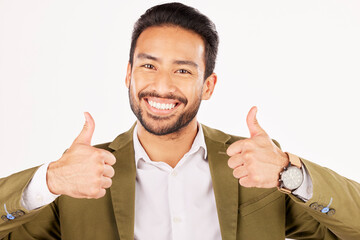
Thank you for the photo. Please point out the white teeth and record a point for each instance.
(162, 106)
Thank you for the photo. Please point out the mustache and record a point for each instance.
(168, 96)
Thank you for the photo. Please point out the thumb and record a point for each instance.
(87, 131)
(252, 123)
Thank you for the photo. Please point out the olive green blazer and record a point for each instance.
(244, 213)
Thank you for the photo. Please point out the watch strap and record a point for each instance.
(294, 160)
(284, 190)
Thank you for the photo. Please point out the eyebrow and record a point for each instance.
(177, 62)
(184, 62)
(147, 56)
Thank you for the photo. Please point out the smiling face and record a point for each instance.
(166, 80)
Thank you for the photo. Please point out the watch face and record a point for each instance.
(292, 177)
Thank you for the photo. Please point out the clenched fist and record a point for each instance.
(257, 161)
(83, 171)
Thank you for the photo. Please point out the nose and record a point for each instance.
(164, 83)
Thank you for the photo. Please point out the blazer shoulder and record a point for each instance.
(220, 136)
(104, 146)
(121, 140)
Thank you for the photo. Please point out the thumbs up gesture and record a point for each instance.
(83, 171)
(257, 161)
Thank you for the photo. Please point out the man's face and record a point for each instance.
(166, 80)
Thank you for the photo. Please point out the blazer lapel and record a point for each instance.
(225, 186)
(123, 187)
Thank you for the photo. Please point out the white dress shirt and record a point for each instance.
(175, 203)
(37, 193)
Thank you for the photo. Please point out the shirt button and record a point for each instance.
(174, 173)
(177, 220)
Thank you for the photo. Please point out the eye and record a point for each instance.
(149, 66)
(183, 71)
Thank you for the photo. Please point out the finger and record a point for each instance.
(240, 172)
(101, 193)
(252, 123)
(235, 161)
(110, 159)
(246, 182)
(106, 182)
(235, 148)
(87, 131)
(108, 171)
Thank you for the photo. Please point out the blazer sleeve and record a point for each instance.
(24, 224)
(341, 218)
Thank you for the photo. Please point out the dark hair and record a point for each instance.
(178, 14)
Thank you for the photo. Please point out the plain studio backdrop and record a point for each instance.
(298, 61)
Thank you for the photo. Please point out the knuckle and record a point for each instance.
(255, 178)
(99, 169)
(250, 162)
(102, 154)
(97, 153)
(246, 156)
(248, 143)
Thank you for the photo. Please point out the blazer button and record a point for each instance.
(314, 206)
(331, 212)
(18, 213)
(4, 218)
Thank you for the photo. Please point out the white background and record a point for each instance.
(298, 61)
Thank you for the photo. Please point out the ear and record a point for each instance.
(128, 75)
(209, 86)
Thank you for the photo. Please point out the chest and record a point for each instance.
(175, 203)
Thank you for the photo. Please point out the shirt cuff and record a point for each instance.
(37, 193)
(305, 191)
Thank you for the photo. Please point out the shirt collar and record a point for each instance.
(199, 142)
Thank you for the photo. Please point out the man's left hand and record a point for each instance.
(257, 161)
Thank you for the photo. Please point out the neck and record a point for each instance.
(168, 148)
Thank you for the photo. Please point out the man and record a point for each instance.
(169, 177)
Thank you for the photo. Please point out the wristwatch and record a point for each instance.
(292, 176)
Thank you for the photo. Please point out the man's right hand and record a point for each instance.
(83, 171)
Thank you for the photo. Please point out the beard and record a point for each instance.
(157, 129)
